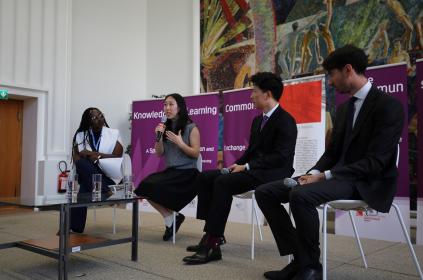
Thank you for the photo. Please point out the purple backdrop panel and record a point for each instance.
(239, 113)
(392, 79)
(203, 110)
(146, 116)
(419, 95)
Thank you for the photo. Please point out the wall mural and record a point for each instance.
(292, 37)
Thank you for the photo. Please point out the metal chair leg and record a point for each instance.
(290, 214)
(139, 216)
(114, 219)
(325, 213)
(407, 238)
(252, 228)
(257, 220)
(174, 227)
(357, 239)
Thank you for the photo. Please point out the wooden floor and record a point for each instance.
(158, 260)
(7, 210)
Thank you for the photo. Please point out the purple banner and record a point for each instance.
(392, 79)
(203, 110)
(145, 117)
(147, 114)
(419, 96)
(239, 113)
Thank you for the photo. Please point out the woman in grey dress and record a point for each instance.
(172, 189)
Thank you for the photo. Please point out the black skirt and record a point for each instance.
(171, 188)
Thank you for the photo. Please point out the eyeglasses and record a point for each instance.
(97, 117)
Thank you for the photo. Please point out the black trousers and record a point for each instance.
(85, 170)
(302, 241)
(215, 191)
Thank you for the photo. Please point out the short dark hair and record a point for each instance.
(268, 81)
(348, 54)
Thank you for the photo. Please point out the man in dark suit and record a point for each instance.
(269, 157)
(359, 163)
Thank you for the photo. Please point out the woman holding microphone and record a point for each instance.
(172, 189)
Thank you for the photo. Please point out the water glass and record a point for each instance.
(75, 187)
(128, 185)
(97, 180)
(72, 187)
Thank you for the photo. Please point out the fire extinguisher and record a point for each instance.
(63, 176)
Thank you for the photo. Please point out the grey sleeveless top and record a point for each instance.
(175, 157)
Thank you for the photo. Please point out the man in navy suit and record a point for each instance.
(359, 163)
(269, 157)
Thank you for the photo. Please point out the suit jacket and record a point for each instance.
(270, 153)
(371, 150)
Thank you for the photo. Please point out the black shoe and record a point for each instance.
(309, 274)
(169, 230)
(288, 272)
(204, 255)
(195, 248)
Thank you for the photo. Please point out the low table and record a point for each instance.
(59, 247)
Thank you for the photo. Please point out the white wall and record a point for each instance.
(67, 55)
(129, 50)
(29, 55)
(108, 59)
(170, 47)
(34, 58)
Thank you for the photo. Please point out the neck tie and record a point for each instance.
(348, 129)
(263, 121)
(351, 111)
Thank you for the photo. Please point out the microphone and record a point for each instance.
(159, 134)
(290, 183)
(225, 171)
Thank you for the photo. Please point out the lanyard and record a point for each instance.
(96, 143)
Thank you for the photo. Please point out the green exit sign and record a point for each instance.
(4, 94)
